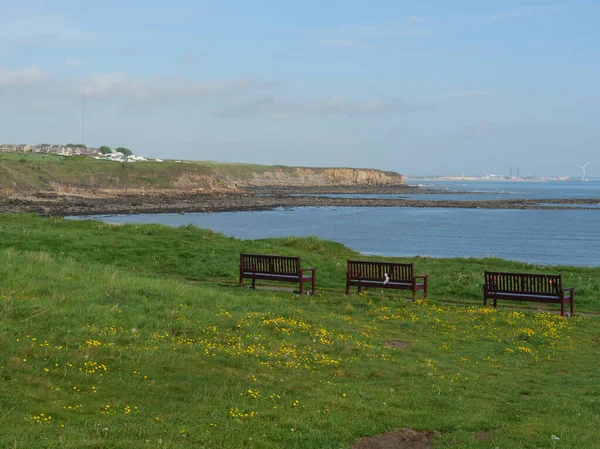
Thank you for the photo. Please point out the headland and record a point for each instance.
(84, 186)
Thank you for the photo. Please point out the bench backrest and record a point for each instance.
(374, 271)
(260, 263)
(530, 284)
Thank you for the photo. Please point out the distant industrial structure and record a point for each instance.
(511, 174)
(583, 173)
(515, 175)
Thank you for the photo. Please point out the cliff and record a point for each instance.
(85, 176)
(304, 176)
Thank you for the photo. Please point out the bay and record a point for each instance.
(491, 190)
(542, 237)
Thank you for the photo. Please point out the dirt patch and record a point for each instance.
(482, 436)
(400, 439)
(398, 344)
(275, 288)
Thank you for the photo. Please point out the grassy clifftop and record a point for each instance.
(72, 174)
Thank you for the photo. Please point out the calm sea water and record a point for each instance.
(493, 190)
(544, 237)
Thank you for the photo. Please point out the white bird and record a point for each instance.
(386, 278)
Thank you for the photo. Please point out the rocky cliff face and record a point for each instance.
(85, 177)
(302, 176)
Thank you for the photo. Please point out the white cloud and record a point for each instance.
(392, 30)
(274, 106)
(348, 44)
(418, 19)
(128, 52)
(491, 130)
(160, 90)
(237, 98)
(70, 62)
(523, 12)
(52, 90)
(469, 93)
(188, 58)
(10, 78)
(41, 28)
(366, 36)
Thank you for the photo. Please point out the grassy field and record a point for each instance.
(43, 172)
(138, 336)
(26, 157)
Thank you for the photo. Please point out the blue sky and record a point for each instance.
(428, 87)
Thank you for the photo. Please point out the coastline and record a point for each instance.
(255, 199)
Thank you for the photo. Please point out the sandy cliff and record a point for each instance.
(303, 176)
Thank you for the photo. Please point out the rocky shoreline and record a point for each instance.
(257, 198)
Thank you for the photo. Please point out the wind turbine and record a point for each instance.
(583, 174)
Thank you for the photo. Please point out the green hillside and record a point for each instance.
(32, 173)
(138, 336)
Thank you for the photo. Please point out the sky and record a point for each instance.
(421, 88)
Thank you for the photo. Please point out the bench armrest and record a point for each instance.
(302, 270)
(568, 289)
(424, 283)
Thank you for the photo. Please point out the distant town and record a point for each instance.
(119, 154)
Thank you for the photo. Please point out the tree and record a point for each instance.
(105, 150)
(125, 151)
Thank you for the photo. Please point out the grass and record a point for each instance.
(198, 254)
(31, 157)
(106, 344)
(32, 173)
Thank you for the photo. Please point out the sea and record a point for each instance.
(539, 237)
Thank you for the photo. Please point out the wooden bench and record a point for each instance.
(400, 276)
(275, 268)
(527, 287)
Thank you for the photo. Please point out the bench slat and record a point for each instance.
(524, 283)
(277, 268)
(361, 273)
(525, 287)
(260, 263)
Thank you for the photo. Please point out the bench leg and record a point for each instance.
(301, 286)
(254, 283)
(572, 308)
(313, 284)
(241, 282)
(562, 308)
(495, 302)
(347, 288)
(414, 295)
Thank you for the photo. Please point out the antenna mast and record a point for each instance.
(83, 115)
